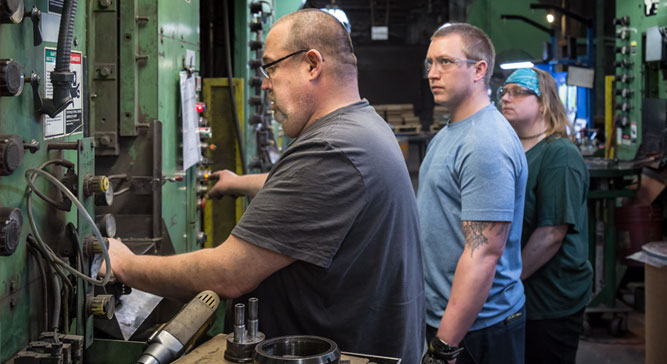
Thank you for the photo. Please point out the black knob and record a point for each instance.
(625, 78)
(623, 63)
(624, 106)
(11, 78)
(11, 153)
(254, 63)
(11, 223)
(255, 45)
(625, 20)
(11, 11)
(624, 92)
(254, 119)
(255, 26)
(255, 100)
(255, 81)
(255, 7)
(623, 50)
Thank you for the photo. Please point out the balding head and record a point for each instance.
(317, 29)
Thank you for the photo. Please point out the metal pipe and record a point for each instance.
(253, 322)
(529, 21)
(239, 323)
(157, 179)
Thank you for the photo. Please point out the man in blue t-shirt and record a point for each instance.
(471, 197)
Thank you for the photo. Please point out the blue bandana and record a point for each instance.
(525, 77)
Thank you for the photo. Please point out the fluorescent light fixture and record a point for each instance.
(550, 18)
(515, 65)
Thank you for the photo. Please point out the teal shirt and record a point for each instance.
(556, 194)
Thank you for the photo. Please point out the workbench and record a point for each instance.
(213, 351)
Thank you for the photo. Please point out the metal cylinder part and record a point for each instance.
(239, 323)
(297, 349)
(253, 322)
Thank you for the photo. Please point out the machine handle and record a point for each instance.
(35, 16)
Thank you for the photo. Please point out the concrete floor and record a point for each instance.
(600, 347)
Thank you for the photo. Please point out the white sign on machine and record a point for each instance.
(70, 121)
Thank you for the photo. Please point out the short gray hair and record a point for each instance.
(317, 29)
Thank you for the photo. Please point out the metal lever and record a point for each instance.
(34, 80)
(33, 146)
(35, 16)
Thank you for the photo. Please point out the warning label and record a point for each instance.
(69, 121)
(56, 6)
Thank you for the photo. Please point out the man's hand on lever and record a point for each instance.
(231, 184)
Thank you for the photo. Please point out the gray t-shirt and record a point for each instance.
(340, 202)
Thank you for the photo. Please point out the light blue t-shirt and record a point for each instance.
(474, 170)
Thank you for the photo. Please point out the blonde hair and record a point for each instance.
(553, 110)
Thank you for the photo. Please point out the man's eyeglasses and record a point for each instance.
(264, 68)
(447, 63)
(514, 92)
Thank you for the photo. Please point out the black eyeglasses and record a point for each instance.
(515, 91)
(263, 68)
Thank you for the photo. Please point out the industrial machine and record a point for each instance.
(105, 131)
(640, 90)
(100, 137)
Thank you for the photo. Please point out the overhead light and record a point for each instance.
(550, 18)
(515, 65)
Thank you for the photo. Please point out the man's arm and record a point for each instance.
(542, 245)
(485, 243)
(232, 269)
(229, 183)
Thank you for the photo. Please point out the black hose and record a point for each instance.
(65, 36)
(232, 92)
(42, 274)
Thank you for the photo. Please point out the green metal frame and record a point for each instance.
(648, 81)
(20, 285)
(242, 55)
(607, 186)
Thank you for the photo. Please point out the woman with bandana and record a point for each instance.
(556, 273)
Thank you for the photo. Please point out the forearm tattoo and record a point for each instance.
(476, 232)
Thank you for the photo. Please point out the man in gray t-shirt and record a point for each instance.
(330, 242)
(339, 202)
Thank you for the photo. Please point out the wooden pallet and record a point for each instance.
(406, 128)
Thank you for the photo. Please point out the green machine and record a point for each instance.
(97, 108)
(640, 91)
